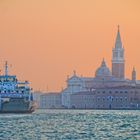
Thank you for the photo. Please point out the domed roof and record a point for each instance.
(103, 70)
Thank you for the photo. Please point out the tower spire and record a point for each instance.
(118, 27)
(118, 63)
(134, 75)
(118, 43)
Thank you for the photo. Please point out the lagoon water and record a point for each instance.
(71, 125)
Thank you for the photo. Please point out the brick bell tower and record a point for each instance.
(118, 63)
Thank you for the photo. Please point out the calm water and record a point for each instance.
(71, 124)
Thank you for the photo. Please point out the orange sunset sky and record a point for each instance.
(45, 40)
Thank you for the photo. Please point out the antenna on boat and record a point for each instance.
(6, 68)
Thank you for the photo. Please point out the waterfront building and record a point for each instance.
(50, 100)
(37, 98)
(79, 88)
(121, 97)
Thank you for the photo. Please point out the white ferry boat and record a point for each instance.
(15, 96)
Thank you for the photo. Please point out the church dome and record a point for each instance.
(103, 70)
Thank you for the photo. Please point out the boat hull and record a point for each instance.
(19, 112)
(15, 105)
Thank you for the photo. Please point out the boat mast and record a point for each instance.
(6, 68)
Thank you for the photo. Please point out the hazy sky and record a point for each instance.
(45, 40)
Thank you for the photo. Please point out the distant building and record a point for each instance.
(37, 96)
(125, 97)
(80, 88)
(82, 100)
(50, 100)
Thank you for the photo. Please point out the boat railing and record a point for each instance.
(14, 95)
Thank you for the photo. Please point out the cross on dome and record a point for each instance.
(103, 63)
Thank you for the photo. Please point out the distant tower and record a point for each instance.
(134, 75)
(118, 63)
